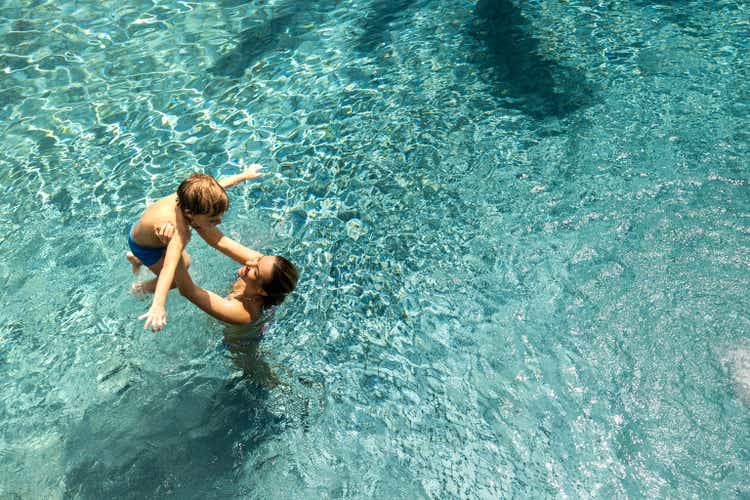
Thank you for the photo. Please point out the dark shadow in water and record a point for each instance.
(281, 30)
(288, 23)
(243, 348)
(233, 3)
(693, 16)
(381, 15)
(674, 11)
(283, 27)
(166, 437)
(535, 85)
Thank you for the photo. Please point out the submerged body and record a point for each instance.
(243, 345)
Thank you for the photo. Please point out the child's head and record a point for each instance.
(201, 195)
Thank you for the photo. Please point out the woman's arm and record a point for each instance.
(232, 249)
(229, 311)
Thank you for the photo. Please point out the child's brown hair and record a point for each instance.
(201, 194)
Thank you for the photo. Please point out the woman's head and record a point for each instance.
(271, 277)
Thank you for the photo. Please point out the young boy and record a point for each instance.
(200, 203)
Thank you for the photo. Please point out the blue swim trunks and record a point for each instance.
(147, 255)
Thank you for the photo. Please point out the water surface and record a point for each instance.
(522, 231)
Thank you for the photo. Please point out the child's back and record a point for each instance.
(162, 212)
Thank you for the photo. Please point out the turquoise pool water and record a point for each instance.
(522, 230)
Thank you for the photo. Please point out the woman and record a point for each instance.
(264, 281)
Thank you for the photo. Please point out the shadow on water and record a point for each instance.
(282, 27)
(234, 3)
(161, 438)
(673, 11)
(285, 28)
(534, 84)
(693, 16)
(265, 36)
(381, 15)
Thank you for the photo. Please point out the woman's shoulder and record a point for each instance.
(257, 321)
(256, 311)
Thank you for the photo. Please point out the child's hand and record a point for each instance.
(156, 318)
(252, 171)
(164, 232)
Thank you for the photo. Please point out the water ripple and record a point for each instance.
(523, 272)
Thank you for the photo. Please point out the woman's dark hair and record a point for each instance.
(282, 282)
(201, 194)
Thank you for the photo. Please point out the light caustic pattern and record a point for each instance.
(522, 231)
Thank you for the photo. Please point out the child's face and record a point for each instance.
(199, 221)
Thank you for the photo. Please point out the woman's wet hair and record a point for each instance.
(282, 282)
(201, 194)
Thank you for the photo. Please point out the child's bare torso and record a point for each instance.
(157, 214)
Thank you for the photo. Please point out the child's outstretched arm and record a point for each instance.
(232, 249)
(156, 317)
(250, 172)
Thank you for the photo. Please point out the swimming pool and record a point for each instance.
(522, 230)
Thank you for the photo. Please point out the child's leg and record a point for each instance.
(150, 286)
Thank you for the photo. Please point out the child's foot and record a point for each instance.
(136, 264)
(143, 287)
(138, 291)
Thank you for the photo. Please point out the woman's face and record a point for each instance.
(257, 272)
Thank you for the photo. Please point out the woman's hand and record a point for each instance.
(156, 318)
